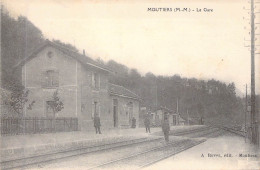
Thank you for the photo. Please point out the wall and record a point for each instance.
(89, 95)
(32, 79)
(123, 112)
(75, 91)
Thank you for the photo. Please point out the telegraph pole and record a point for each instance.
(253, 113)
(188, 116)
(177, 105)
(177, 116)
(246, 115)
(156, 101)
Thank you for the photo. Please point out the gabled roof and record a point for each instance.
(121, 91)
(181, 119)
(85, 60)
(164, 109)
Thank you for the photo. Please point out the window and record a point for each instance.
(96, 80)
(95, 109)
(50, 54)
(115, 102)
(50, 78)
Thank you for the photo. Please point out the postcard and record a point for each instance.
(127, 84)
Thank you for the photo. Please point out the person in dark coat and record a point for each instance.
(133, 122)
(166, 128)
(147, 123)
(97, 124)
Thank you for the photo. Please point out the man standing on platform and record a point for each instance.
(166, 127)
(147, 123)
(133, 122)
(97, 124)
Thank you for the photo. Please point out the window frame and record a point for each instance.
(50, 78)
(96, 80)
(95, 108)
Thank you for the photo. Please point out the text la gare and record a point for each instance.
(204, 10)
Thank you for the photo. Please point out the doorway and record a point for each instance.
(115, 112)
(174, 120)
(130, 112)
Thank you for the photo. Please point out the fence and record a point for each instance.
(31, 125)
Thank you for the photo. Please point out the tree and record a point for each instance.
(232, 88)
(66, 45)
(99, 60)
(150, 75)
(18, 101)
(18, 38)
(200, 109)
(56, 105)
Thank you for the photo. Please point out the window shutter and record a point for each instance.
(102, 82)
(99, 79)
(98, 109)
(56, 78)
(92, 110)
(93, 80)
(44, 79)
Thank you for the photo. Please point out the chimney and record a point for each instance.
(83, 51)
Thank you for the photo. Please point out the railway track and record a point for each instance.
(232, 130)
(161, 150)
(37, 159)
(237, 132)
(149, 157)
(181, 133)
(205, 133)
(209, 134)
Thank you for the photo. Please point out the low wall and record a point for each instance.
(32, 125)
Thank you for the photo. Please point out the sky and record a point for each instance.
(203, 45)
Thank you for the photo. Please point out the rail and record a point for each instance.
(232, 130)
(49, 157)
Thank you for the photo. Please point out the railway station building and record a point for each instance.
(157, 115)
(82, 86)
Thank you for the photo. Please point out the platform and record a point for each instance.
(20, 146)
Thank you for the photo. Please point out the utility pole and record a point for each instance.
(246, 114)
(253, 113)
(177, 116)
(188, 117)
(156, 100)
(177, 105)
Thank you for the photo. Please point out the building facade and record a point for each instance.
(157, 116)
(125, 106)
(82, 86)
